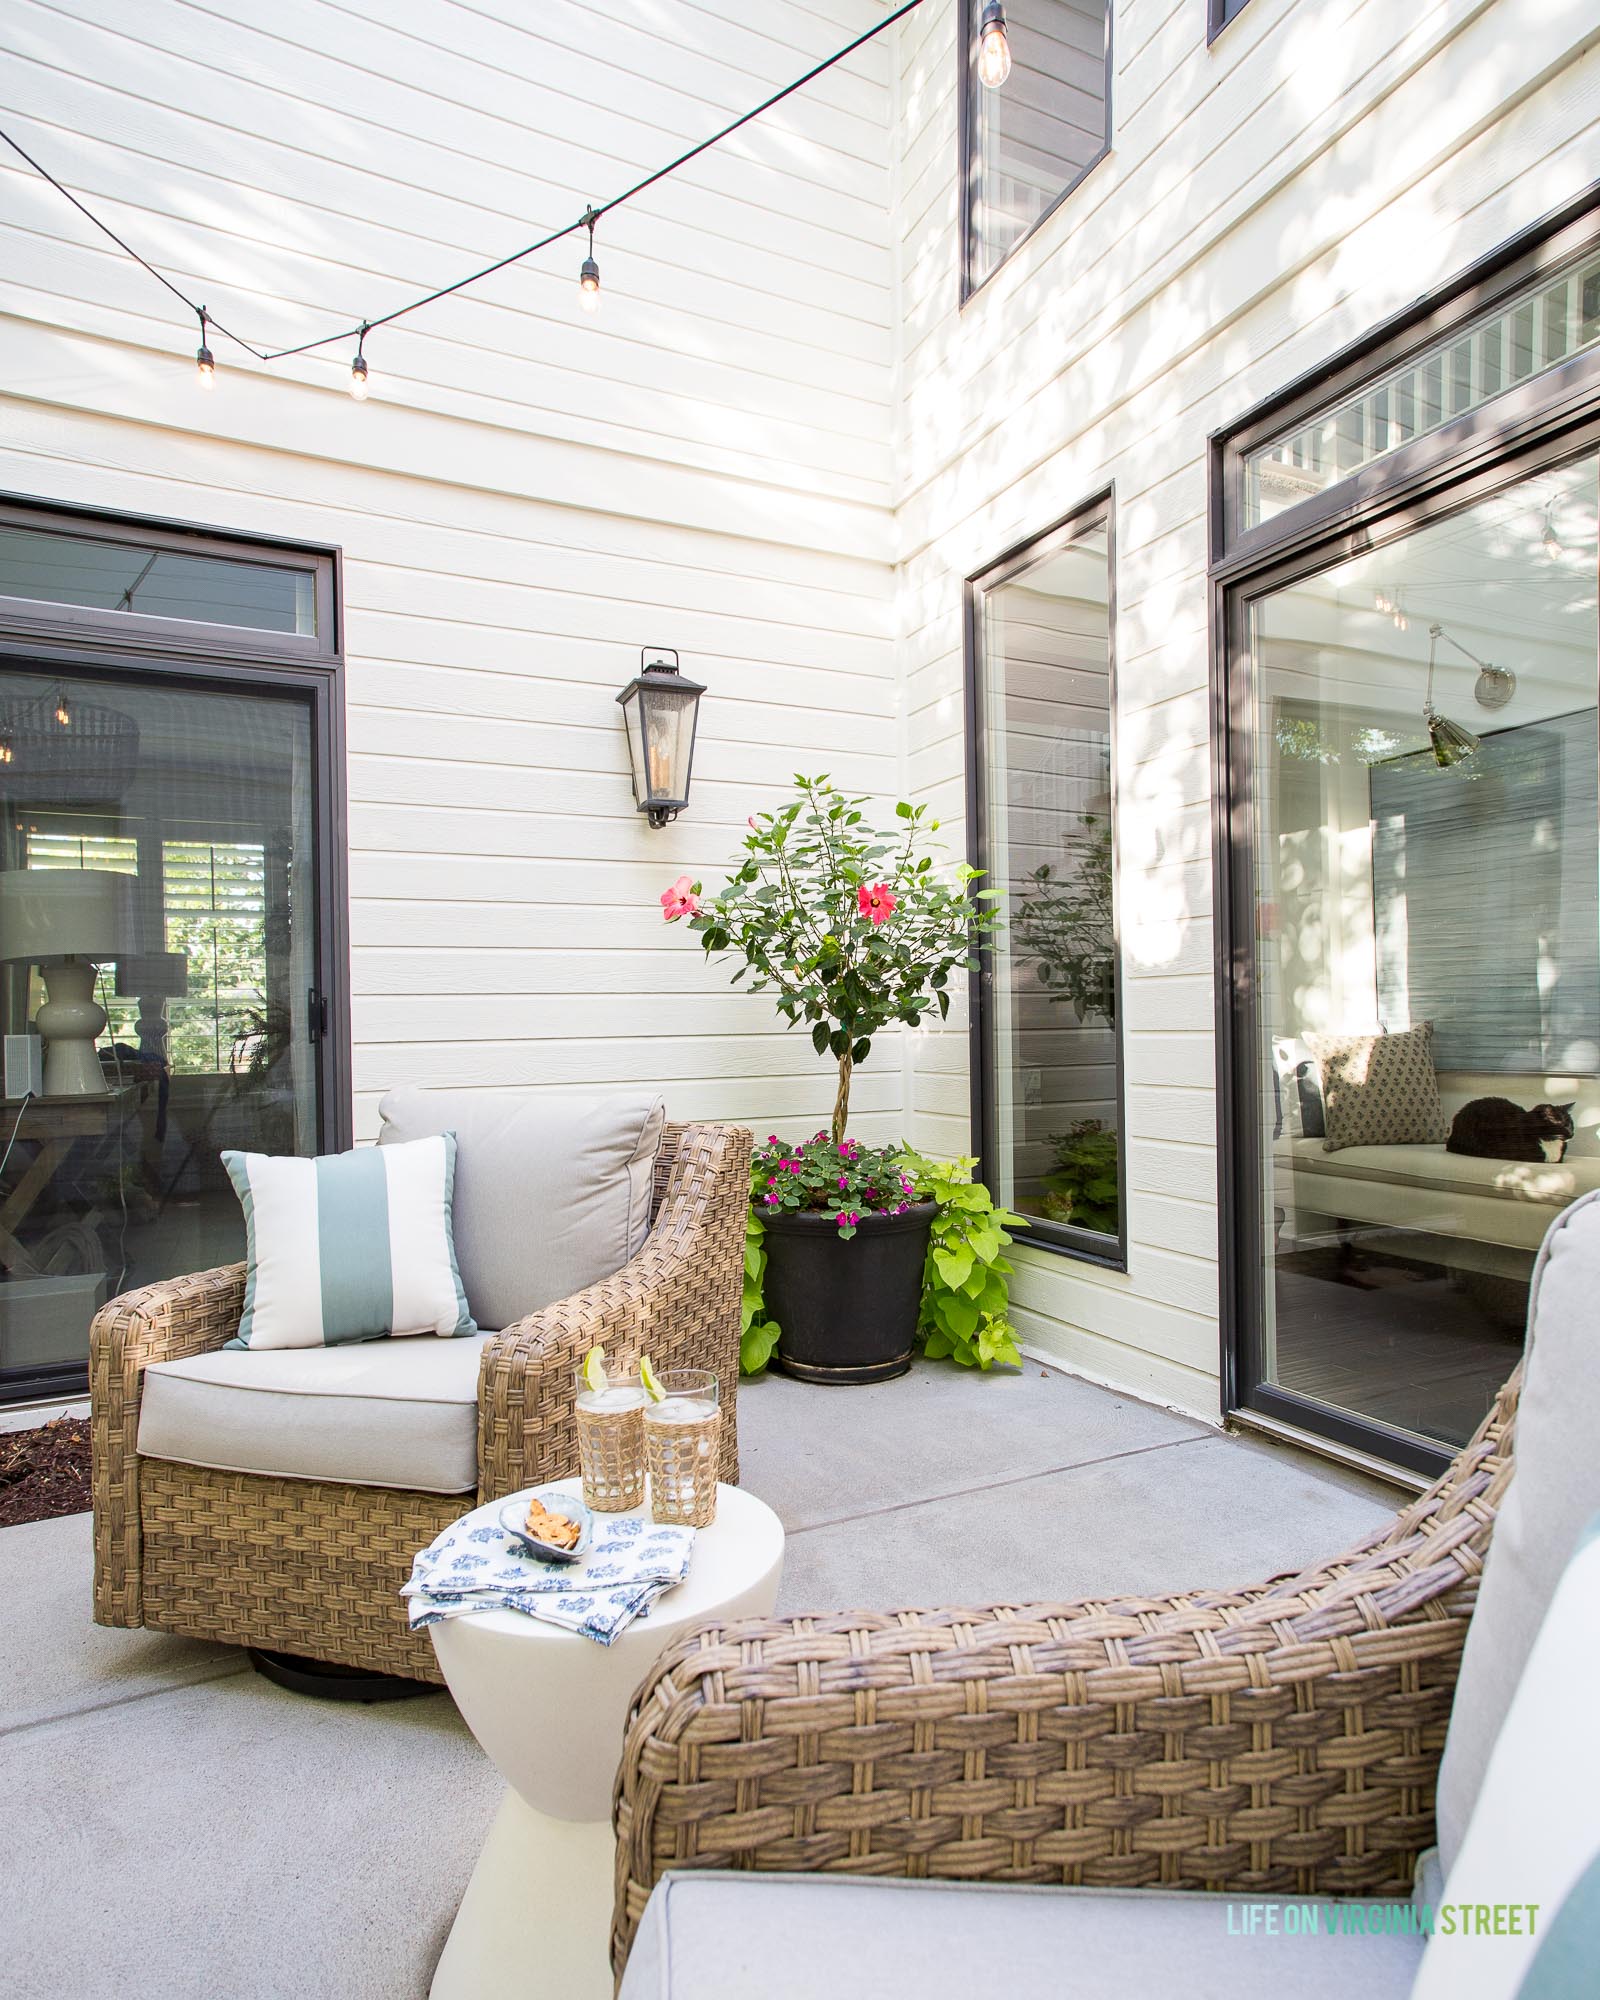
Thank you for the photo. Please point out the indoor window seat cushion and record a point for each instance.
(707, 1936)
(350, 1247)
(552, 1192)
(377, 1413)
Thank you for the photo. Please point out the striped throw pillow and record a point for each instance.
(351, 1247)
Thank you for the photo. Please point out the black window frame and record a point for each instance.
(1220, 14)
(1549, 418)
(967, 85)
(1085, 1246)
(101, 646)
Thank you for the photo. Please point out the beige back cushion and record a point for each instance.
(1379, 1090)
(552, 1193)
(1555, 1491)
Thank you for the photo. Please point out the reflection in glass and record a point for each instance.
(1032, 138)
(155, 583)
(1045, 672)
(1396, 888)
(156, 848)
(1557, 317)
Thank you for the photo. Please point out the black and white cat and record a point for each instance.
(1493, 1128)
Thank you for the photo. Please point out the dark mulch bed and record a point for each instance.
(44, 1472)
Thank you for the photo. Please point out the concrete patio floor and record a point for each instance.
(172, 1827)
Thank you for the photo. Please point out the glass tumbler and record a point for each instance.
(611, 1444)
(682, 1439)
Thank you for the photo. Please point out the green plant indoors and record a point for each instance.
(965, 1296)
(1082, 1188)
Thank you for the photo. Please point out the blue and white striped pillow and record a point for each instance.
(351, 1247)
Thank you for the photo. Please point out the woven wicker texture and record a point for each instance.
(1283, 1739)
(314, 1568)
(299, 1565)
(611, 1458)
(681, 1460)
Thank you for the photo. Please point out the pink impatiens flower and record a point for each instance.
(876, 902)
(680, 900)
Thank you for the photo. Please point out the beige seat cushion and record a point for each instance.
(708, 1936)
(370, 1413)
(1552, 1498)
(551, 1193)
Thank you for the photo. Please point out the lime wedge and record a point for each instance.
(651, 1381)
(594, 1371)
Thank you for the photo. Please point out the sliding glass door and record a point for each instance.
(169, 899)
(1425, 852)
(157, 961)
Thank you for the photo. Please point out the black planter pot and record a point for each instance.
(848, 1309)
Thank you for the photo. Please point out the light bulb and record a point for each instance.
(994, 51)
(358, 378)
(589, 286)
(7, 748)
(63, 713)
(205, 366)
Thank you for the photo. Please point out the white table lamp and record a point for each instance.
(67, 921)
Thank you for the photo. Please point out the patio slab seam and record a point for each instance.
(992, 1485)
(176, 1685)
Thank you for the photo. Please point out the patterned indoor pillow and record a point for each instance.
(351, 1247)
(1379, 1090)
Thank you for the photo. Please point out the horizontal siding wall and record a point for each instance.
(530, 495)
(1265, 201)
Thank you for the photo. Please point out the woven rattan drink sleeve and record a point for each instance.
(1283, 1739)
(677, 1300)
(160, 1322)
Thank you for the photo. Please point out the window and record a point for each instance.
(1219, 13)
(1048, 1053)
(1408, 547)
(1027, 144)
(158, 587)
(1549, 320)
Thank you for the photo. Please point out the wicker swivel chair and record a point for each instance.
(312, 1567)
(1278, 1740)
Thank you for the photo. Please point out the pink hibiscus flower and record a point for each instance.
(876, 902)
(680, 900)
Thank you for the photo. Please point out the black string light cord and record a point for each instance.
(590, 216)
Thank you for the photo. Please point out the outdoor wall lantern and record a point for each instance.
(660, 707)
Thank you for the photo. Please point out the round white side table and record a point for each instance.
(549, 1708)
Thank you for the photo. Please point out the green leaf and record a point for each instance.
(819, 1038)
(756, 1346)
(902, 810)
(953, 1267)
(861, 1051)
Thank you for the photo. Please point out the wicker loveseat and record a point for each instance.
(313, 1567)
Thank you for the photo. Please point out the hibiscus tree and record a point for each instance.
(849, 927)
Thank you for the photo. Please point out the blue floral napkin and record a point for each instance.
(476, 1566)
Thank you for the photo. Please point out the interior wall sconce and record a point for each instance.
(660, 707)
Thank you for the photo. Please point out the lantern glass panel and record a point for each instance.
(630, 715)
(668, 741)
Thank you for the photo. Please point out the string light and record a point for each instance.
(589, 273)
(994, 51)
(63, 713)
(1554, 547)
(205, 361)
(8, 748)
(994, 65)
(358, 368)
